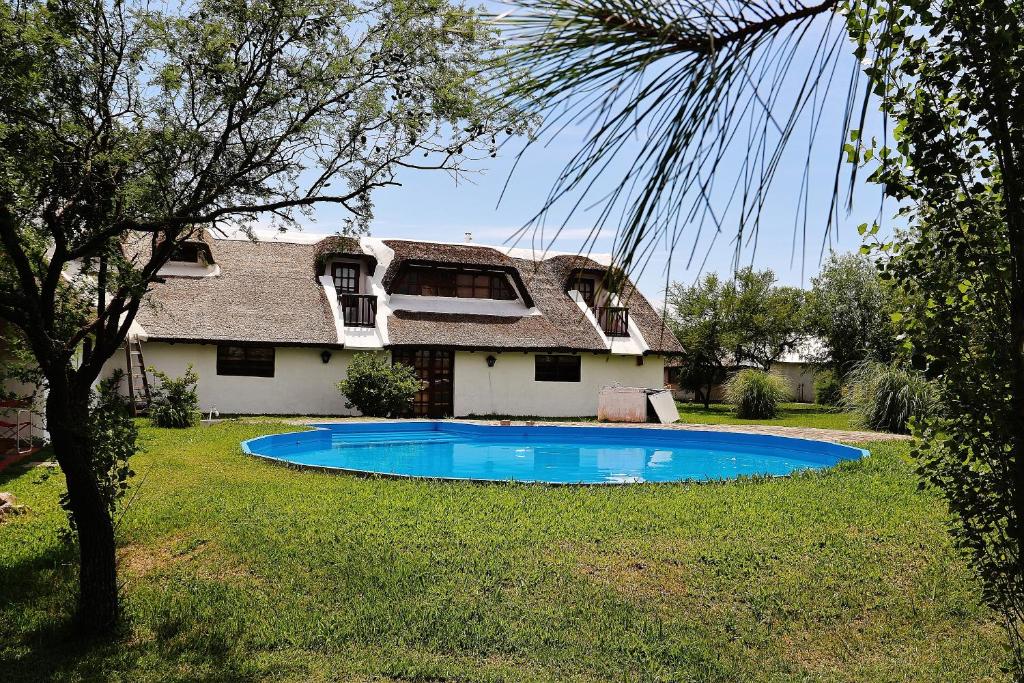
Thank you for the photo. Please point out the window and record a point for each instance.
(346, 278)
(585, 286)
(557, 368)
(463, 283)
(247, 361)
(187, 252)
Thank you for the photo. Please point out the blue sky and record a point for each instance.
(431, 205)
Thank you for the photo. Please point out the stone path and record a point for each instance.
(813, 433)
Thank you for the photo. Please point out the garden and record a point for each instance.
(156, 550)
(235, 569)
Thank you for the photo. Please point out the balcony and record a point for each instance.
(358, 310)
(614, 320)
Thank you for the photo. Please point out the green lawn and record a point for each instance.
(235, 569)
(790, 415)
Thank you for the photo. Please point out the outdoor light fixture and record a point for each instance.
(491, 360)
(325, 356)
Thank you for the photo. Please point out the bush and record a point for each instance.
(756, 394)
(828, 388)
(376, 387)
(175, 401)
(885, 397)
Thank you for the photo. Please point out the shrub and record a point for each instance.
(175, 401)
(885, 397)
(756, 394)
(376, 387)
(828, 388)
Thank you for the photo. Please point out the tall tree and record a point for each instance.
(120, 119)
(850, 310)
(725, 324)
(697, 315)
(688, 76)
(766, 319)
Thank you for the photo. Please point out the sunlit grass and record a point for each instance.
(790, 415)
(235, 569)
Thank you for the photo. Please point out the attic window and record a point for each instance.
(459, 282)
(188, 252)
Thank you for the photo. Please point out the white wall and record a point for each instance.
(302, 384)
(800, 377)
(509, 388)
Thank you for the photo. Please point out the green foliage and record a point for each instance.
(828, 387)
(236, 569)
(175, 400)
(723, 324)
(756, 394)
(886, 397)
(850, 310)
(113, 440)
(951, 79)
(376, 387)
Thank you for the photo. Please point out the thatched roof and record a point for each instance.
(265, 294)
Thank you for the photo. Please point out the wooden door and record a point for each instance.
(436, 369)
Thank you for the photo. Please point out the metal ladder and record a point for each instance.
(138, 383)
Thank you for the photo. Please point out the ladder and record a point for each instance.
(138, 383)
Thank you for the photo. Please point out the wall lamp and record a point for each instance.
(325, 356)
(491, 360)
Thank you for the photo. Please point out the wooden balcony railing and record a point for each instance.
(358, 310)
(614, 320)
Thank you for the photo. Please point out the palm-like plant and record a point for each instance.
(675, 85)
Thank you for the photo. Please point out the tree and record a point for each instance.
(766, 320)
(122, 122)
(954, 81)
(850, 309)
(698, 317)
(724, 324)
(947, 73)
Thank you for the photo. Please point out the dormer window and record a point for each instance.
(186, 253)
(346, 278)
(456, 281)
(587, 289)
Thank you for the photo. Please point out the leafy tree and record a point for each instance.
(850, 309)
(765, 319)
(948, 73)
(954, 80)
(376, 387)
(725, 324)
(125, 122)
(697, 315)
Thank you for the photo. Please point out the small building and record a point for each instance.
(270, 326)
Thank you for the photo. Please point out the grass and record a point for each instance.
(790, 415)
(235, 569)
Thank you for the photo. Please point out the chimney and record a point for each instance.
(469, 237)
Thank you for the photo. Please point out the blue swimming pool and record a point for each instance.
(544, 454)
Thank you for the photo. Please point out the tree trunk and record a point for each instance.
(67, 415)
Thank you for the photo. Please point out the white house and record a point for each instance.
(271, 326)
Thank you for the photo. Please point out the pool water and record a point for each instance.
(547, 454)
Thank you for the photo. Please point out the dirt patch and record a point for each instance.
(179, 551)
